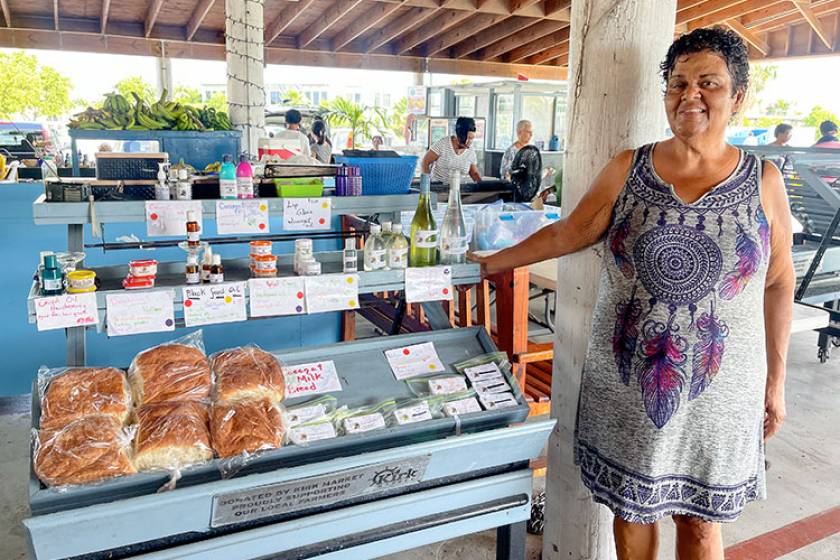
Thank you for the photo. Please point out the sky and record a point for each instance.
(807, 82)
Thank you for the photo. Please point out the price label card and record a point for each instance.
(332, 292)
(140, 312)
(431, 283)
(241, 216)
(311, 379)
(277, 296)
(220, 303)
(169, 217)
(68, 310)
(411, 361)
(306, 214)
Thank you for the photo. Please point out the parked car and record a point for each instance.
(24, 140)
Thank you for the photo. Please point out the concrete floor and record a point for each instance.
(803, 480)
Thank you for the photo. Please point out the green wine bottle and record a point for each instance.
(424, 232)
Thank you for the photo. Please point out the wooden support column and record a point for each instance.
(512, 316)
(615, 103)
(244, 36)
(482, 304)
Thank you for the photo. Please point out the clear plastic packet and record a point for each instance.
(366, 419)
(85, 451)
(496, 385)
(68, 394)
(491, 401)
(484, 372)
(171, 436)
(418, 410)
(499, 358)
(323, 428)
(174, 371)
(492, 392)
(462, 403)
(247, 373)
(245, 427)
(309, 411)
(437, 385)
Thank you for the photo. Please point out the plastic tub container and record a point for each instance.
(267, 273)
(138, 282)
(383, 175)
(264, 262)
(260, 247)
(142, 268)
(499, 226)
(299, 188)
(81, 281)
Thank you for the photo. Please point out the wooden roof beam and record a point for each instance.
(686, 4)
(199, 13)
(702, 10)
(742, 8)
(151, 16)
(793, 16)
(748, 36)
(490, 35)
(516, 5)
(326, 21)
(364, 23)
(55, 15)
(477, 24)
(809, 15)
(103, 17)
(535, 31)
(553, 6)
(528, 49)
(442, 22)
(7, 15)
(412, 18)
(550, 53)
(284, 19)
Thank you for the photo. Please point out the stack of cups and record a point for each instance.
(304, 260)
(263, 263)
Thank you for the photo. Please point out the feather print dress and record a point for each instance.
(672, 396)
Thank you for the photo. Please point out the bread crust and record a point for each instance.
(171, 435)
(86, 450)
(81, 392)
(247, 373)
(170, 372)
(245, 427)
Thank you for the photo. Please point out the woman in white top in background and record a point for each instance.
(453, 153)
(524, 133)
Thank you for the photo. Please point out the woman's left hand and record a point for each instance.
(774, 411)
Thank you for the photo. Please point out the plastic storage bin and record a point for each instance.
(499, 226)
(303, 187)
(383, 175)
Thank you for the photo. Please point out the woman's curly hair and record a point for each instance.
(723, 42)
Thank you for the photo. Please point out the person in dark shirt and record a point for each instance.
(828, 130)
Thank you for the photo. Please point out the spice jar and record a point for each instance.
(264, 262)
(260, 247)
(311, 268)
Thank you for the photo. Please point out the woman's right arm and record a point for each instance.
(428, 160)
(584, 227)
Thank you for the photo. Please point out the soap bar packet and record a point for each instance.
(491, 386)
(486, 372)
(498, 400)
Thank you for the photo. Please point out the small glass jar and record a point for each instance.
(266, 273)
(260, 247)
(265, 262)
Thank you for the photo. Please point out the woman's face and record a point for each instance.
(470, 138)
(698, 97)
(525, 134)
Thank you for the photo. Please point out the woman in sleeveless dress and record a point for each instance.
(684, 376)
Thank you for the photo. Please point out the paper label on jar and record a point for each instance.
(461, 406)
(410, 414)
(447, 385)
(301, 435)
(498, 400)
(491, 386)
(227, 188)
(193, 236)
(376, 259)
(484, 372)
(217, 278)
(193, 278)
(303, 414)
(364, 423)
(53, 284)
(454, 246)
(398, 258)
(426, 238)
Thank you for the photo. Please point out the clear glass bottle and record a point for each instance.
(351, 256)
(424, 232)
(207, 264)
(453, 231)
(386, 237)
(374, 250)
(397, 248)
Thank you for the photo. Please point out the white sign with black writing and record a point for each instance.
(306, 214)
(317, 491)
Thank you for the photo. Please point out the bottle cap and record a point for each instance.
(50, 261)
(396, 228)
(243, 158)
(374, 229)
(386, 227)
(227, 158)
(191, 217)
(217, 259)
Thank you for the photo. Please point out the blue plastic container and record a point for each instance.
(383, 175)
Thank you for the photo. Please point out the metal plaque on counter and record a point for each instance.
(276, 499)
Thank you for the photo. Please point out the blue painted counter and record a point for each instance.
(26, 349)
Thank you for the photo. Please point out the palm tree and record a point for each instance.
(363, 121)
(295, 98)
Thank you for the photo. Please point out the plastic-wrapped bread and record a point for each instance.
(247, 373)
(171, 435)
(87, 450)
(170, 372)
(71, 394)
(245, 427)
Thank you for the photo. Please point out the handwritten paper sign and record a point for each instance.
(220, 303)
(332, 292)
(311, 379)
(277, 296)
(430, 283)
(169, 217)
(306, 214)
(140, 312)
(411, 361)
(69, 310)
(241, 216)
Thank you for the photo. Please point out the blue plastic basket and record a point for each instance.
(383, 175)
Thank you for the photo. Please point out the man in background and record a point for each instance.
(829, 139)
(783, 133)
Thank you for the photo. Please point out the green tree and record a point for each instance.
(295, 98)
(136, 84)
(760, 76)
(363, 121)
(397, 116)
(185, 94)
(30, 89)
(218, 101)
(817, 115)
(780, 107)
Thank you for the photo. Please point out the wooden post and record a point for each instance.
(512, 316)
(615, 103)
(245, 54)
(482, 303)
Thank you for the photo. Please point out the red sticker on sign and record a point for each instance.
(406, 351)
(300, 295)
(322, 221)
(446, 291)
(262, 226)
(188, 303)
(153, 216)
